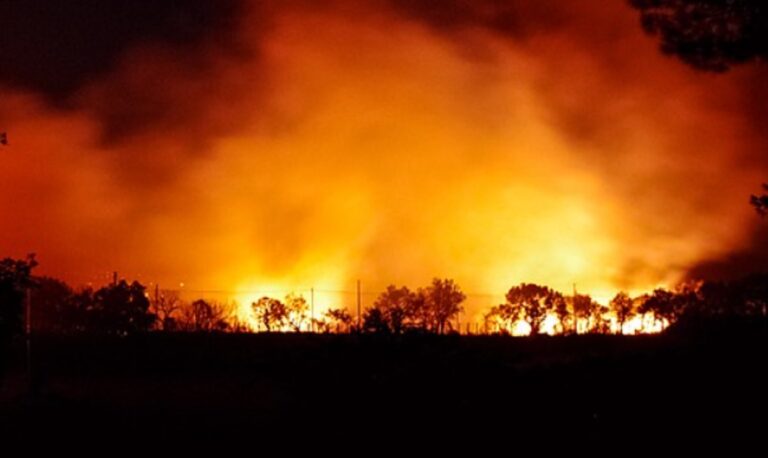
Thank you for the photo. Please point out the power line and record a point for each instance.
(306, 290)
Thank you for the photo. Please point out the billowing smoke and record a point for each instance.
(283, 145)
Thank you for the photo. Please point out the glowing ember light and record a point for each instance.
(383, 149)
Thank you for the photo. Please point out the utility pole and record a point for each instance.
(359, 315)
(28, 332)
(312, 310)
(575, 313)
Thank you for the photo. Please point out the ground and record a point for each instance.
(589, 391)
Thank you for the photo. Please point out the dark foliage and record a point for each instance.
(15, 279)
(203, 316)
(711, 35)
(118, 309)
(760, 202)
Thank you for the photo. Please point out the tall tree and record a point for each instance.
(532, 303)
(444, 298)
(15, 279)
(204, 316)
(584, 308)
(712, 35)
(50, 298)
(375, 322)
(624, 308)
(755, 294)
(121, 309)
(667, 306)
(296, 309)
(338, 320)
(395, 305)
(502, 318)
(760, 202)
(565, 317)
(420, 311)
(166, 306)
(271, 313)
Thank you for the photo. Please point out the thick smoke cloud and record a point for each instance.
(55, 47)
(293, 144)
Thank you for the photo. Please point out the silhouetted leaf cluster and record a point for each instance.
(15, 278)
(711, 35)
(760, 202)
(431, 309)
(124, 308)
(118, 309)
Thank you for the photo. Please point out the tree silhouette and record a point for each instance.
(531, 303)
(339, 319)
(420, 311)
(270, 312)
(760, 202)
(121, 309)
(599, 323)
(49, 301)
(719, 299)
(396, 306)
(623, 307)
(711, 35)
(296, 308)
(375, 322)
(166, 307)
(666, 306)
(78, 314)
(565, 317)
(443, 298)
(15, 279)
(754, 290)
(502, 317)
(203, 316)
(584, 308)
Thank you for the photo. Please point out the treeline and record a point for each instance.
(123, 308)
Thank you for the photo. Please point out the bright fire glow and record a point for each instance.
(376, 147)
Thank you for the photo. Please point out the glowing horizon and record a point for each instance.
(353, 141)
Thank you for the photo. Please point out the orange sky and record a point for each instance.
(361, 140)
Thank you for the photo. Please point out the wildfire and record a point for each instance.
(387, 150)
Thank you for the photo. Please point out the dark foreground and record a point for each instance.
(586, 392)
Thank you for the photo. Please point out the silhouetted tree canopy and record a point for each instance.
(336, 320)
(203, 316)
(398, 308)
(531, 303)
(443, 301)
(166, 306)
(375, 322)
(585, 309)
(124, 308)
(271, 313)
(623, 307)
(668, 306)
(760, 202)
(121, 309)
(710, 35)
(15, 278)
(296, 309)
(50, 298)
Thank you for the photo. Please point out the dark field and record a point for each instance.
(589, 391)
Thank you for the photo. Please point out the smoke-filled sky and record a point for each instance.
(248, 145)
